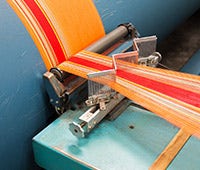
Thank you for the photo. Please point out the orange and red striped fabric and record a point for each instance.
(177, 99)
(60, 29)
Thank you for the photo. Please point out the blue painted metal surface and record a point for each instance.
(23, 102)
(24, 107)
(149, 16)
(193, 65)
(112, 145)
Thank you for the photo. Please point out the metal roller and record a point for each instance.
(122, 32)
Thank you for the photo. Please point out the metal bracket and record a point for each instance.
(63, 90)
(152, 60)
(92, 117)
(100, 99)
(103, 96)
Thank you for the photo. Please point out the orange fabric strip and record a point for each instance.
(170, 90)
(175, 111)
(47, 30)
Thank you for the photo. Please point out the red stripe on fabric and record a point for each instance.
(47, 30)
(169, 90)
(88, 63)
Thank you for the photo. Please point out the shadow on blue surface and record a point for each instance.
(193, 65)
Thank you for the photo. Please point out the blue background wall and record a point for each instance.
(158, 17)
(23, 102)
(24, 108)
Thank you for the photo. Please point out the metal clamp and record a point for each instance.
(63, 88)
(100, 99)
(151, 60)
(92, 117)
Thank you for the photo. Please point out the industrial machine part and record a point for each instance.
(93, 116)
(63, 87)
(61, 93)
(140, 18)
(103, 99)
(103, 96)
(152, 60)
(120, 34)
(64, 90)
(175, 93)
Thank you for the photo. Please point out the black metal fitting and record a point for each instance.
(132, 31)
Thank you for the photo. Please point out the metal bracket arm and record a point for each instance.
(92, 117)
